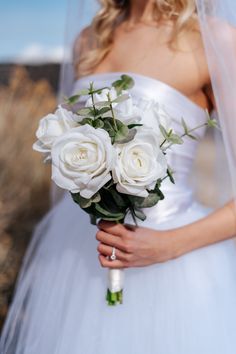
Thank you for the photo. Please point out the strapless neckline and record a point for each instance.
(109, 74)
(147, 91)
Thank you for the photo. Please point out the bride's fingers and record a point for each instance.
(112, 227)
(110, 240)
(107, 251)
(112, 264)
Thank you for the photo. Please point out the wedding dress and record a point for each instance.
(183, 306)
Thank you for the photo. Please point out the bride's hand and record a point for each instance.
(135, 246)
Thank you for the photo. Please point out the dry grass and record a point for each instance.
(24, 180)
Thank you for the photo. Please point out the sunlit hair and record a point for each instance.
(181, 12)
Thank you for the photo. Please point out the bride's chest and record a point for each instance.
(155, 59)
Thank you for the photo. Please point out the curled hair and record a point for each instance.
(181, 12)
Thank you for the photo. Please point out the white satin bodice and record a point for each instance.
(178, 196)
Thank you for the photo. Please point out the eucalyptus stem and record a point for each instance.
(169, 133)
(195, 128)
(112, 111)
(163, 143)
(92, 97)
(185, 134)
(162, 179)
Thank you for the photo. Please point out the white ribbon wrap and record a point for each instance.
(115, 280)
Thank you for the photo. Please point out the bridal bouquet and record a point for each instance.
(109, 160)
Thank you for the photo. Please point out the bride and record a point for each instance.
(180, 286)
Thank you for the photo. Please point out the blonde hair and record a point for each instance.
(181, 12)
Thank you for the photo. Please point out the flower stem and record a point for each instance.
(114, 298)
(92, 97)
(191, 130)
(112, 111)
(162, 179)
(185, 134)
(163, 143)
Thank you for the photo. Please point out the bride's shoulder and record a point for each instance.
(191, 43)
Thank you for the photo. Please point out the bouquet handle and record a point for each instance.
(115, 286)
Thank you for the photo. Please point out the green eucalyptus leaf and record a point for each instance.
(131, 126)
(107, 213)
(75, 197)
(98, 123)
(108, 122)
(118, 85)
(170, 175)
(128, 138)
(139, 214)
(102, 104)
(161, 195)
(96, 198)
(120, 124)
(128, 81)
(192, 137)
(163, 131)
(118, 135)
(125, 82)
(86, 121)
(158, 191)
(108, 126)
(108, 201)
(93, 219)
(158, 183)
(212, 123)
(103, 110)
(85, 203)
(175, 139)
(184, 126)
(83, 92)
(118, 198)
(85, 111)
(72, 99)
(148, 202)
(121, 134)
(119, 219)
(151, 200)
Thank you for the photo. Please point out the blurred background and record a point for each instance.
(31, 50)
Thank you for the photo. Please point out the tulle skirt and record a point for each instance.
(183, 306)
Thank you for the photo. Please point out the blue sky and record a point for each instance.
(31, 23)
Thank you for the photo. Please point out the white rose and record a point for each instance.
(51, 127)
(125, 110)
(154, 115)
(82, 159)
(140, 163)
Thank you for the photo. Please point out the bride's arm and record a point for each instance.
(217, 226)
(140, 246)
(137, 247)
